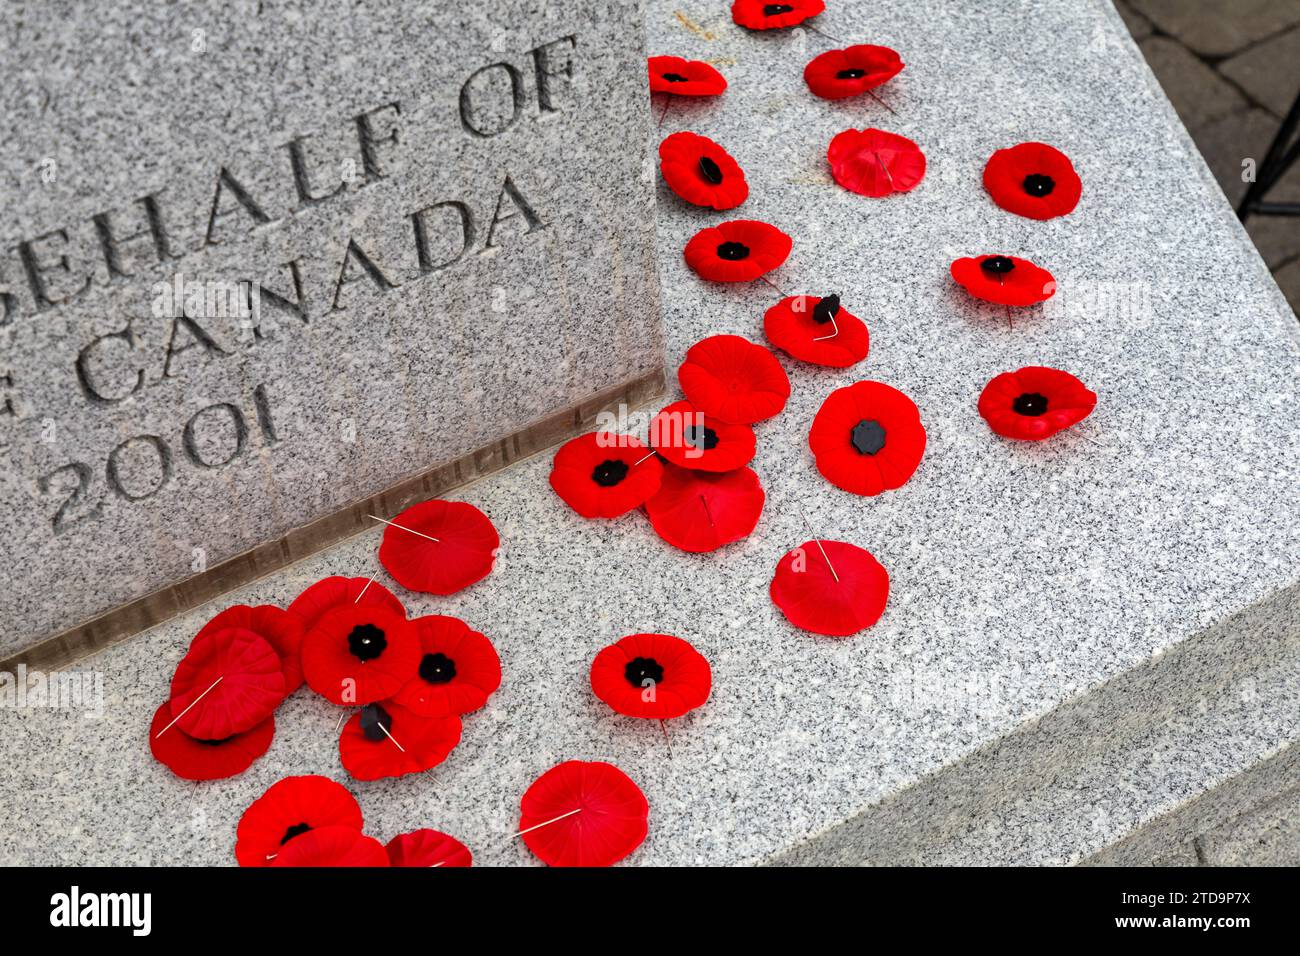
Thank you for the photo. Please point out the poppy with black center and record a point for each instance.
(1006, 280)
(359, 654)
(679, 77)
(458, 672)
(389, 740)
(701, 172)
(687, 437)
(1033, 180)
(289, 808)
(656, 676)
(604, 475)
(867, 438)
(838, 74)
(1035, 403)
(737, 251)
(763, 15)
(817, 330)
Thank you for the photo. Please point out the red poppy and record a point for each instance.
(817, 330)
(701, 511)
(228, 682)
(332, 846)
(465, 547)
(687, 437)
(875, 163)
(389, 740)
(757, 15)
(289, 808)
(651, 675)
(193, 759)
(1035, 402)
(672, 74)
(700, 171)
(1005, 280)
(737, 251)
(867, 438)
(360, 653)
(458, 669)
(611, 818)
(838, 74)
(732, 379)
(282, 630)
(329, 593)
(1033, 180)
(603, 475)
(830, 587)
(428, 848)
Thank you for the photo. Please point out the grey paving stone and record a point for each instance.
(1268, 835)
(1217, 28)
(1137, 24)
(1288, 277)
(1198, 93)
(1263, 72)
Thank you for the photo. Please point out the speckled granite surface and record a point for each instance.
(1100, 627)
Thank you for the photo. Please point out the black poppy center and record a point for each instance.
(298, 829)
(704, 438)
(1036, 184)
(215, 743)
(1030, 403)
(776, 9)
(868, 437)
(733, 251)
(851, 74)
(437, 668)
(997, 265)
(366, 642)
(642, 669)
(710, 170)
(674, 77)
(609, 472)
(375, 721)
(826, 309)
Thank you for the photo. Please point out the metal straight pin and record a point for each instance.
(773, 285)
(187, 709)
(546, 823)
(707, 513)
(1011, 325)
(664, 114)
(817, 540)
(646, 458)
(663, 725)
(342, 717)
(881, 102)
(404, 528)
(390, 737)
(369, 582)
(823, 33)
(876, 153)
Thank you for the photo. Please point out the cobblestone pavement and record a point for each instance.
(1231, 68)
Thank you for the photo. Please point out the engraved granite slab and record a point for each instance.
(259, 261)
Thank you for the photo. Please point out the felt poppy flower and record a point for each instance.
(830, 587)
(1005, 280)
(757, 15)
(329, 593)
(1035, 402)
(700, 171)
(360, 653)
(282, 630)
(867, 437)
(672, 74)
(603, 475)
(737, 251)
(389, 740)
(732, 379)
(228, 682)
(439, 547)
(289, 808)
(875, 163)
(651, 675)
(839, 74)
(1033, 180)
(458, 669)
(332, 846)
(583, 813)
(685, 436)
(193, 759)
(427, 848)
(701, 511)
(817, 330)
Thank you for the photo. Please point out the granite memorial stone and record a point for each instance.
(269, 268)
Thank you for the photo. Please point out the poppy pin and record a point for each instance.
(329, 593)
(830, 587)
(839, 74)
(229, 681)
(194, 759)
(389, 740)
(458, 670)
(288, 809)
(875, 163)
(701, 511)
(332, 846)
(1005, 280)
(701, 172)
(439, 547)
(687, 437)
(359, 653)
(737, 251)
(867, 438)
(817, 330)
(281, 629)
(655, 676)
(1035, 403)
(428, 848)
(679, 77)
(613, 812)
(604, 475)
(730, 378)
(757, 15)
(1033, 180)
